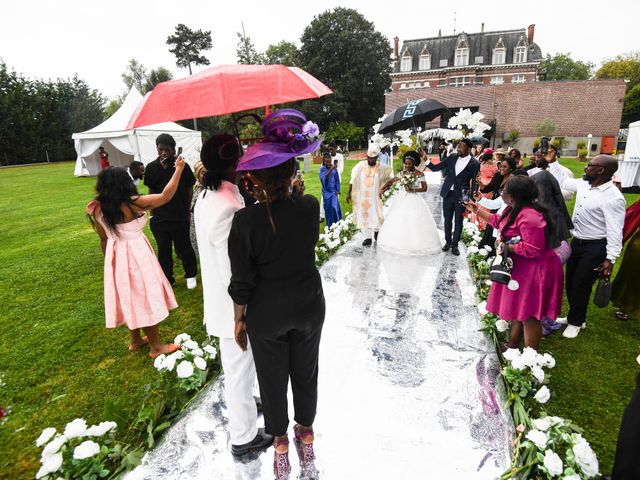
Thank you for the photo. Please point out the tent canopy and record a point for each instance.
(125, 145)
(629, 169)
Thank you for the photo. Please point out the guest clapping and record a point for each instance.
(537, 272)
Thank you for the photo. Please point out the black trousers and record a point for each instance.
(174, 233)
(452, 208)
(292, 354)
(580, 275)
(627, 463)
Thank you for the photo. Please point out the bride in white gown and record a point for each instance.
(409, 227)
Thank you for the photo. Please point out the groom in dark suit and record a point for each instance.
(459, 185)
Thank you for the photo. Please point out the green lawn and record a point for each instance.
(59, 362)
(595, 373)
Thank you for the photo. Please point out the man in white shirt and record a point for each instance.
(598, 219)
(136, 172)
(561, 173)
(337, 158)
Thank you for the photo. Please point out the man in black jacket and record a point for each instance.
(459, 185)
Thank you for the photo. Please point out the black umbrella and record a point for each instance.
(412, 114)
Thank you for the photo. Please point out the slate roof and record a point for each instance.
(480, 45)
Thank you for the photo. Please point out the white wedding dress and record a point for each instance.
(409, 227)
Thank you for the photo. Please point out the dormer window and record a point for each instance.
(406, 61)
(520, 52)
(462, 54)
(425, 60)
(499, 53)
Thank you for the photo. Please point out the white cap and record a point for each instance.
(374, 150)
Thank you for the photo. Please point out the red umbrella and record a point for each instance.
(226, 89)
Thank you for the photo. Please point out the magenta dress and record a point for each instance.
(536, 268)
(136, 292)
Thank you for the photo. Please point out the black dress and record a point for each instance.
(274, 274)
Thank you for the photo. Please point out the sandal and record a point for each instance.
(171, 347)
(281, 465)
(305, 451)
(620, 315)
(135, 348)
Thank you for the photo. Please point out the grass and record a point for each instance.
(59, 362)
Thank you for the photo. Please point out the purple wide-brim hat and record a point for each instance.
(287, 135)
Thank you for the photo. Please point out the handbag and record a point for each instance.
(501, 267)
(602, 297)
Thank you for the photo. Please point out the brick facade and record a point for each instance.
(576, 107)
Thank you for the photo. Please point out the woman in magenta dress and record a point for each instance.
(136, 292)
(537, 276)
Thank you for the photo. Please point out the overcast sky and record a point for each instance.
(50, 39)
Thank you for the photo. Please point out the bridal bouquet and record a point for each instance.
(407, 180)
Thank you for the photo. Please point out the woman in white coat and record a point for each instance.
(213, 214)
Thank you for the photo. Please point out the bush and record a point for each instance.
(581, 144)
(546, 128)
(582, 153)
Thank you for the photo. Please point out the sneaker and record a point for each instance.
(571, 331)
(192, 283)
(562, 320)
(261, 441)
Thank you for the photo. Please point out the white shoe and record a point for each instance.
(571, 331)
(192, 283)
(562, 320)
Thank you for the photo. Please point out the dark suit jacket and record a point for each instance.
(467, 179)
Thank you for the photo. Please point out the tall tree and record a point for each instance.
(562, 67)
(187, 45)
(631, 109)
(622, 66)
(156, 76)
(283, 53)
(135, 76)
(246, 51)
(343, 49)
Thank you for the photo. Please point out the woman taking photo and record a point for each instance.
(527, 233)
(275, 285)
(136, 292)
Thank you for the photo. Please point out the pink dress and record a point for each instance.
(136, 292)
(536, 268)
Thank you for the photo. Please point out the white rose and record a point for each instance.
(190, 344)
(555, 420)
(76, 428)
(538, 373)
(211, 350)
(538, 438)
(157, 363)
(571, 477)
(482, 308)
(530, 357)
(553, 463)
(487, 248)
(502, 325)
(45, 436)
(546, 360)
(472, 249)
(585, 458)
(511, 354)
(101, 429)
(183, 337)
(542, 424)
(483, 252)
(200, 363)
(198, 352)
(543, 395)
(185, 369)
(488, 282)
(86, 449)
(518, 363)
(53, 446)
(50, 464)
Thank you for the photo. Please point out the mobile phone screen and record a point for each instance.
(179, 151)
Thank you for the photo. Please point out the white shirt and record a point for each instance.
(461, 164)
(599, 213)
(561, 173)
(340, 158)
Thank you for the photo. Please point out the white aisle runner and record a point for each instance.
(407, 386)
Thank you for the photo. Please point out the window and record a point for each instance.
(479, 60)
(479, 81)
(460, 81)
(426, 84)
(498, 53)
(425, 61)
(444, 63)
(521, 55)
(497, 80)
(517, 79)
(442, 83)
(403, 86)
(406, 64)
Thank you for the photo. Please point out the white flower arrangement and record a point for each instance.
(189, 364)
(70, 455)
(468, 124)
(334, 237)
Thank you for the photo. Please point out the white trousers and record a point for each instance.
(239, 380)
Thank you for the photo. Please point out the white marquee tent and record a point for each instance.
(125, 145)
(629, 168)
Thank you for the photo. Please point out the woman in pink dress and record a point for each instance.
(136, 292)
(537, 276)
(488, 169)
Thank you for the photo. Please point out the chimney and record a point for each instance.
(395, 48)
(440, 32)
(530, 32)
(482, 28)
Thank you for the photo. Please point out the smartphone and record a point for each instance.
(179, 152)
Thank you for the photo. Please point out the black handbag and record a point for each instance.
(500, 271)
(602, 297)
